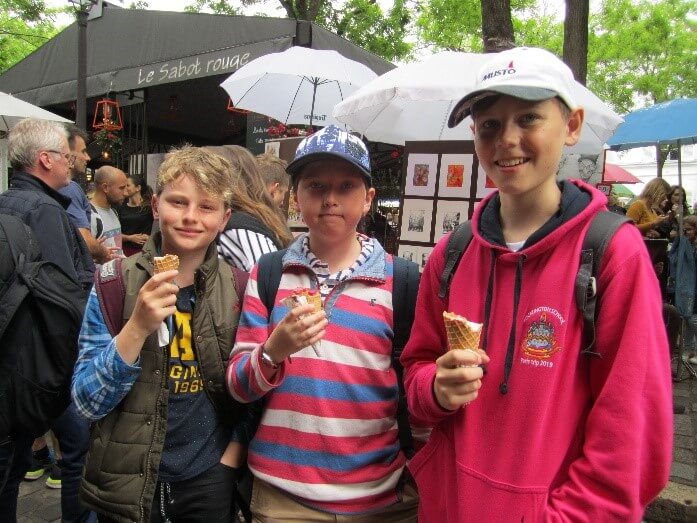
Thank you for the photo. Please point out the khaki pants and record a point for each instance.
(270, 505)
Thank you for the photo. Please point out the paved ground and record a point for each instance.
(37, 502)
(678, 502)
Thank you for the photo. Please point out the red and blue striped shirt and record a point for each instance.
(328, 435)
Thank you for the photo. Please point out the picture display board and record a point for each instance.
(441, 184)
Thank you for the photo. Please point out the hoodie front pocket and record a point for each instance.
(451, 492)
(481, 498)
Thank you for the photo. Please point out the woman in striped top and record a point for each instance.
(256, 226)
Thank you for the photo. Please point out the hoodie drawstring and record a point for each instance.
(503, 388)
(487, 303)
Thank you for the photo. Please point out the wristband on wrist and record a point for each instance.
(267, 360)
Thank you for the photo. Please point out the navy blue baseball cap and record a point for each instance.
(331, 142)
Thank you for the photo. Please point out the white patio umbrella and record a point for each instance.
(413, 102)
(299, 86)
(12, 110)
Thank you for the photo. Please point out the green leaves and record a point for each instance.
(221, 7)
(364, 23)
(643, 51)
(24, 26)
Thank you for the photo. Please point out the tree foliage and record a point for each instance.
(221, 7)
(363, 22)
(24, 26)
(639, 51)
(643, 51)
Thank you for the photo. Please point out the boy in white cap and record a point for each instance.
(546, 433)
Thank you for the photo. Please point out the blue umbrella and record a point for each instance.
(673, 122)
(669, 122)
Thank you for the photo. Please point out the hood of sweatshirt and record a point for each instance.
(578, 201)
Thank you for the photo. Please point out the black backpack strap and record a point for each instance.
(459, 239)
(405, 288)
(19, 240)
(111, 292)
(269, 270)
(598, 236)
(269, 277)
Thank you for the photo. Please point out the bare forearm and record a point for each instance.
(97, 250)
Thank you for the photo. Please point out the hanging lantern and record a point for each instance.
(107, 115)
(233, 109)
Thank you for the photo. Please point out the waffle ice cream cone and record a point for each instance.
(169, 262)
(462, 333)
(302, 297)
(313, 298)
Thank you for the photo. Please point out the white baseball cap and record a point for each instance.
(527, 73)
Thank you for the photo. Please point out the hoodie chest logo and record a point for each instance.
(540, 342)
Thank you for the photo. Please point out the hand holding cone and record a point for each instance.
(305, 297)
(168, 262)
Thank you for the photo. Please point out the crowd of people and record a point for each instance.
(222, 370)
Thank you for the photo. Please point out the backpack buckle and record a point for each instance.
(592, 288)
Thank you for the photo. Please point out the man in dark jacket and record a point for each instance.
(41, 160)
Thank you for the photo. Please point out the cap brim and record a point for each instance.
(463, 108)
(296, 166)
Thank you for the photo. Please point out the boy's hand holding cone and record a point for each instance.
(304, 325)
(458, 371)
(156, 303)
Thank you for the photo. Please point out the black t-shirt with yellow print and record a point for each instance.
(195, 437)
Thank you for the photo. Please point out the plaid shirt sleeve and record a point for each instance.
(101, 378)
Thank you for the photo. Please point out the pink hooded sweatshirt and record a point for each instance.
(553, 435)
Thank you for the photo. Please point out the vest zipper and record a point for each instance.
(156, 425)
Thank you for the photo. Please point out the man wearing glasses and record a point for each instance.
(41, 162)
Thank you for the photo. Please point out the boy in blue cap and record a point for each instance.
(327, 444)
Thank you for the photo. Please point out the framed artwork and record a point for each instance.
(484, 184)
(421, 175)
(586, 167)
(410, 252)
(449, 214)
(425, 253)
(455, 175)
(416, 220)
(605, 189)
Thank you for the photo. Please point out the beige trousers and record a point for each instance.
(271, 505)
